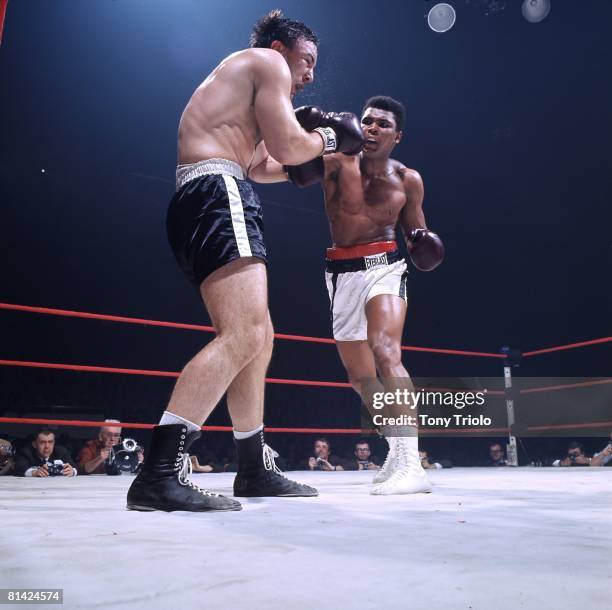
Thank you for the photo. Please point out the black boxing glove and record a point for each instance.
(306, 174)
(427, 250)
(309, 117)
(341, 131)
(349, 138)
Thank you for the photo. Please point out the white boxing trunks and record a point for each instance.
(356, 274)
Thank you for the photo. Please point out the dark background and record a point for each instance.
(509, 124)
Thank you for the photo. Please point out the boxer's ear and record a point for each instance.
(398, 137)
(277, 45)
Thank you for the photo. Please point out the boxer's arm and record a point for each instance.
(264, 168)
(425, 247)
(285, 139)
(412, 216)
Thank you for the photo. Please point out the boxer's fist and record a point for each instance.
(427, 250)
(347, 129)
(309, 117)
(307, 173)
(341, 131)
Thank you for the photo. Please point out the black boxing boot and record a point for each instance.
(258, 475)
(163, 484)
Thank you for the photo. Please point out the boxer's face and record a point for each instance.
(380, 131)
(301, 59)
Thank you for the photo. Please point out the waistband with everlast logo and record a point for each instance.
(361, 257)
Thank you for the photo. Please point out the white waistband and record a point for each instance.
(190, 171)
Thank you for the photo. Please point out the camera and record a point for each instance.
(55, 468)
(123, 457)
(7, 451)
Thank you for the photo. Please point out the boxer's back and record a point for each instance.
(219, 120)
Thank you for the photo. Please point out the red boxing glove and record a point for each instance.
(427, 250)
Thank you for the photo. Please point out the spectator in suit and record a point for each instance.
(44, 458)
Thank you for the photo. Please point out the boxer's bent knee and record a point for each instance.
(387, 352)
(246, 343)
(357, 377)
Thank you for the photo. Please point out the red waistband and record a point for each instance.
(376, 247)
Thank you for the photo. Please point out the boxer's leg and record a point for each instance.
(358, 360)
(257, 472)
(245, 395)
(386, 314)
(236, 299)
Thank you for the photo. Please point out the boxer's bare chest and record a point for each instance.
(353, 196)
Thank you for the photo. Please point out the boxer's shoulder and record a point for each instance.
(410, 177)
(333, 164)
(263, 60)
(340, 160)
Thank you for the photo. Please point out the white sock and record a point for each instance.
(170, 418)
(242, 435)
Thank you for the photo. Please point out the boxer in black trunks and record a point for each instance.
(238, 125)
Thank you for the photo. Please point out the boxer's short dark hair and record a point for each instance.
(384, 102)
(274, 26)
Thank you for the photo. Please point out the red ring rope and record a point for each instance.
(98, 424)
(145, 322)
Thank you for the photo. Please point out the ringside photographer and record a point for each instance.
(43, 458)
(108, 453)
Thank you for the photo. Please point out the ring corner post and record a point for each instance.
(511, 360)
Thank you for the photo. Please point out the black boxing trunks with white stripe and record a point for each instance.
(214, 218)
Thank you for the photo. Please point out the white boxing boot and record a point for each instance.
(389, 466)
(408, 476)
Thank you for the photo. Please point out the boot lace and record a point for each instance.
(184, 468)
(405, 464)
(390, 457)
(268, 460)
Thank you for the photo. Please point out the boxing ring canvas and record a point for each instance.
(496, 537)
